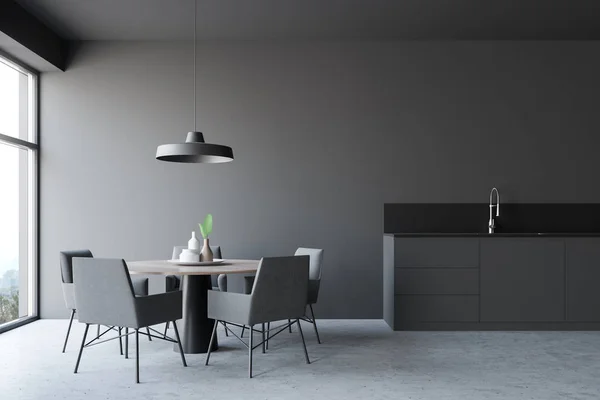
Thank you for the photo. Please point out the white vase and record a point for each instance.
(194, 244)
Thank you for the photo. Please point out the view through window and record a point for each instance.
(18, 188)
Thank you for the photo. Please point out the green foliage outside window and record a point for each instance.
(9, 306)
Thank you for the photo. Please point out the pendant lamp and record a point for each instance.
(194, 150)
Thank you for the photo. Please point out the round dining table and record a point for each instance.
(197, 327)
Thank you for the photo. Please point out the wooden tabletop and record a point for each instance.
(163, 267)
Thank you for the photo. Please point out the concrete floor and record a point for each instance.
(357, 360)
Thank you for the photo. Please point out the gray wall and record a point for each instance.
(323, 135)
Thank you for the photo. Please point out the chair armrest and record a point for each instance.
(69, 295)
(248, 284)
(222, 282)
(313, 290)
(158, 308)
(140, 286)
(172, 283)
(228, 306)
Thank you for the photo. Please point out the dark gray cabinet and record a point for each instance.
(522, 280)
(491, 282)
(583, 279)
(430, 280)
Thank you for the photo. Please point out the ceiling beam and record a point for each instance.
(31, 33)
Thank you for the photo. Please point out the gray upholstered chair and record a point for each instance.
(314, 283)
(104, 295)
(140, 285)
(173, 282)
(279, 293)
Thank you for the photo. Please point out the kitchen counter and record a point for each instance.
(492, 235)
(499, 281)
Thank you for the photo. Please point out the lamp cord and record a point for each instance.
(195, 12)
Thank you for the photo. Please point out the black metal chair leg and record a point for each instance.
(179, 344)
(268, 333)
(250, 351)
(87, 326)
(264, 342)
(137, 356)
(149, 336)
(290, 326)
(120, 342)
(303, 342)
(126, 342)
(98, 331)
(243, 329)
(166, 329)
(210, 344)
(314, 321)
(226, 331)
(68, 330)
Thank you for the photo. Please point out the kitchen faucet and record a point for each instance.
(492, 222)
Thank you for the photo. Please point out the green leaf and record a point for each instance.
(206, 226)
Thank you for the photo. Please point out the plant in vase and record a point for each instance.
(205, 230)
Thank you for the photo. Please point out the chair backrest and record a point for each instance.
(280, 289)
(103, 292)
(66, 273)
(216, 251)
(216, 254)
(316, 261)
(177, 251)
(66, 263)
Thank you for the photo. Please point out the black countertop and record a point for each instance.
(492, 235)
(471, 219)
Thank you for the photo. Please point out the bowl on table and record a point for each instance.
(188, 255)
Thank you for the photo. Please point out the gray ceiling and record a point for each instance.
(320, 19)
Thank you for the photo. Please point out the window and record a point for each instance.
(18, 195)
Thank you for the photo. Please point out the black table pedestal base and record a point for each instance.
(197, 327)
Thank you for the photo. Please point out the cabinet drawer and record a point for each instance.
(445, 308)
(436, 252)
(436, 280)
